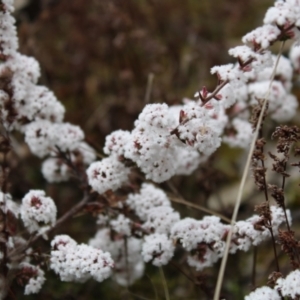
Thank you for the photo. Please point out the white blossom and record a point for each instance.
(262, 36)
(7, 204)
(227, 95)
(263, 293)
(116, 141)
(73, 262)
(151, 146)
(243, 53)
(38, 212)
(284, 72)
(283, 13)
(242, 135)
(287, 110)
(294, 56)
(160, 219)
(277, 94)
(129, 264)
(148, 198)
(35, 281)
(44, 137)
(54, 170)
(199, 130)
(107, 174)
(289, 286)
(121, 225)
(158, 249)
(83, 153)
(229, 73)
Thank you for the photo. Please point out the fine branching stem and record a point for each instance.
(68, 215)
(243, 182)
(201, 208)
(182, 272)
(164, 282)
(149, 88)
(253, 279)
(268, 203)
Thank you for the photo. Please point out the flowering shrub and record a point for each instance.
(136, 222)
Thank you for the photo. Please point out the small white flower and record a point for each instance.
(263, 293)
(37, 211)
(158, 249)
(107, 174)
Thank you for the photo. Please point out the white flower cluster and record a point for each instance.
(249, 79)
(158, 249)
(36, 280)
(167, 141)
(294, 56)
(38, 212)
(284, 13)
(263, 293)
(205, 239)
(121, 225)
(43, 137)
(55, 169)
(107, 174)
(151, 146)
(201, 127)
(153, 208)
(34, 109)
(289, 286)
(148, 198)
(126, 253)
(160, 219)
(262, 37)
(284, 287)
(7, 204)
(242, 135)
(73, 262)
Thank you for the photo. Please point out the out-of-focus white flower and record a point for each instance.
(148, 198)
(263, 293)
(36, 278)
(126, 253)
(121, 225)
(158, 249)
(262, 36)
(242, 136)
(289, 286)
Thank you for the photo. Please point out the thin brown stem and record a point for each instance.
(182, 272)
(215, 92)
(268, 202)
(274, 248)
(19, 252)
(253, 277)
(201, 208)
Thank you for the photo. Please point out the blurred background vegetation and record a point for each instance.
(98, 57)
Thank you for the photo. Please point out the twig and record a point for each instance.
(182, 272)
(163, 278)
(149, 88)
(215, 92)
(253, 279)
(201, 208)
(69, 214)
